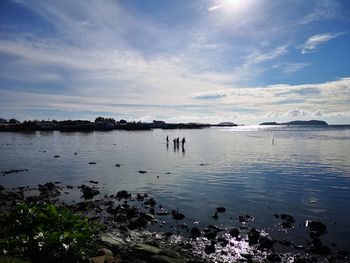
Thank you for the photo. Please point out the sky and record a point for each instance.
(208, 61)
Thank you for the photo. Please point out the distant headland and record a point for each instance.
(305, 123)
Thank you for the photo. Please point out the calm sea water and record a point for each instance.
(305, 172)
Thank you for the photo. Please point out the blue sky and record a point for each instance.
(244, 61)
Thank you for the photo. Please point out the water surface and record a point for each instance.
(304, 171)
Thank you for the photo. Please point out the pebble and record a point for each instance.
(221, 209)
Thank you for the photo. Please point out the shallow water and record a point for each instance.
(305, 172)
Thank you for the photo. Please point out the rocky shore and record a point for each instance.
(137, 228)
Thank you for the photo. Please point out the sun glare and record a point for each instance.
(236, 6)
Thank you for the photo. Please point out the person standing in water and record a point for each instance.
(183, 141)
(167, 139)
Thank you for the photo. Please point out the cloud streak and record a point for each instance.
(316, 40)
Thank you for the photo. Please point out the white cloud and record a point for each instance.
(242, 105)
(314, 41)
(291, 68)
(214, 7)
(323, 10)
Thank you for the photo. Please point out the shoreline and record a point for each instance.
(155, 228)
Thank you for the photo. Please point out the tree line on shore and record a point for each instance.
(100, 123)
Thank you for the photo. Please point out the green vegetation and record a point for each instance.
(45, 233)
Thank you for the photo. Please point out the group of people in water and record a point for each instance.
(177, 141)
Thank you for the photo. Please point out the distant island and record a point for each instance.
(225, 124)
(304, 123)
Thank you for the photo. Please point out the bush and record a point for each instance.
(45, 233)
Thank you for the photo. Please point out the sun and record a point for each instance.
(237, 6)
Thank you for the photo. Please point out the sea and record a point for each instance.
(261, 171)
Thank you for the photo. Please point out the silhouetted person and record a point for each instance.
(167, 139)
(178, 140)
(183, 141)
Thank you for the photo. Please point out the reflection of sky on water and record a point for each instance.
(306, 172)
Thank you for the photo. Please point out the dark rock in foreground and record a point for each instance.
(13, 171)
(89, 192)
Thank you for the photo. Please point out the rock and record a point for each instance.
(104, 251)
(99, 259)
(103, 259)
(298, 247)
(142, 172)
(165, 259)
(183, 225)
(2, 188)
(117, 165)
(47, 187)
(266, 243)
(84, 206)
(141, 197)
(177, 215)
(148, 217)
(209, 249)
(123, 194)
(317, 228)
(220, 209)
(245, 218)
(151, 202)
(112, 241)
(223, 242)
(137, 223)
(253, 236)
(130, 212)
(92, 162)
(318, 248)
(286, 224)
(287, 218)
(273, 257)
(69, 187)
(195, 232)
(13, 171)
(89, 192)
(56, 156)
(146, 249)
(48, 190)
(234, 232)
(215, 216)
(210, 235)
(162, 212)
(93, 182)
